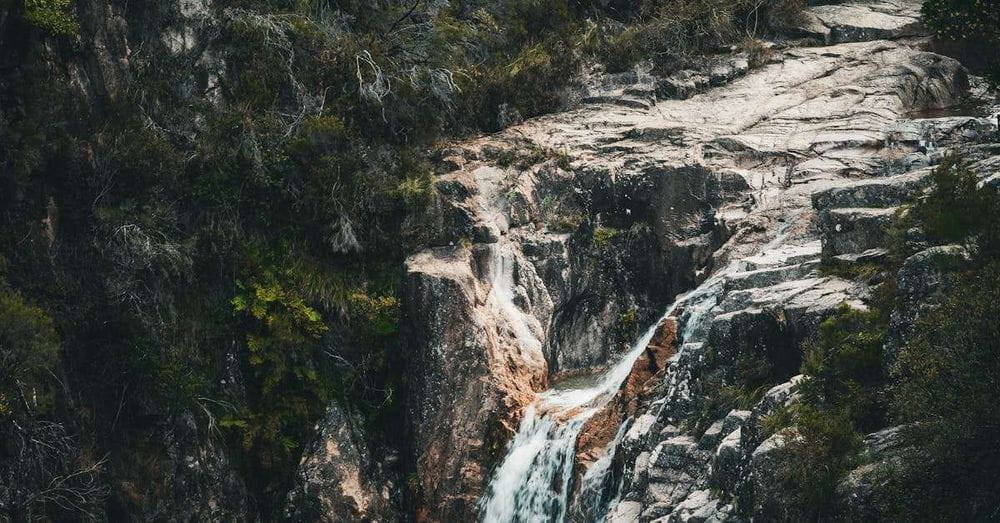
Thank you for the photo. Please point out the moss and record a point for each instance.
(55, 16)
(29, 351)
(603, 236)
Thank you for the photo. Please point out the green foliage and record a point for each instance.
(962, 19)
(843, 373)
(751, 377)
(54, 16)
(976, 22)
(604, 235)
(29, 351)
(286, 330)
(844, 366)
(671, 31)
(849, 271)
(822, 447)
(627, 327)
(283, 343)
(945, 390)
(954, 209)
(379, 314)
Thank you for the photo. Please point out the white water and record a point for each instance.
(525, 327)
(533, 482)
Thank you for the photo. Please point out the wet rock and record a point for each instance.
(599, 430)
(473, 362)
(676, 468)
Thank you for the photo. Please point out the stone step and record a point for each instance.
(870, 256)
(770, 276)
(784, 255)
(622, 100)
(816, 292)
(881, 192)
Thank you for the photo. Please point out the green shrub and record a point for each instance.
(29, 351)
(843, 367)
(822, 448)
(962, 19)
(54, 16)
(604, 235)
(976, 22)
(957, 211)
(945, 390)
(843, 374)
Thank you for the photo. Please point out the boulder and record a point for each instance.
(864, 21)
(340, 479)
(676, 468)
(699, 507)
(854, 230)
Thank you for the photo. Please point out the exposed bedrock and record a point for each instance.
(565, 236)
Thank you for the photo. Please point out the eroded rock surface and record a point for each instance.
(632, 199)
(339, 479)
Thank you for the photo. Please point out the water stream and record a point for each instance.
(533, 483)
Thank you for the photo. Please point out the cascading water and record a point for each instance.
(532, 484)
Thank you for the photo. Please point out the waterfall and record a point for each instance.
(501, 274)
(532, 484)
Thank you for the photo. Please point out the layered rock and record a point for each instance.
(753, 182)
(806, 157)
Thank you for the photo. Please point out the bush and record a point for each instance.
(843, 367)
(956, 210)
(946, 392)
(29, 351)
(843, 372)
(822, 448)
(604, 235)
(976, 22)
(54, 16)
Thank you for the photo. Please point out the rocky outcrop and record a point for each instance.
(474, 362)
(339, 478)
(767, 300)
(919, 283)
(651, 187)
(856, 21)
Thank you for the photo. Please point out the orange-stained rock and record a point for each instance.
(600, 429)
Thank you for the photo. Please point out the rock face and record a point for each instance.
(822, 138)
(564, 235)
(339, 479)
(600, 429)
